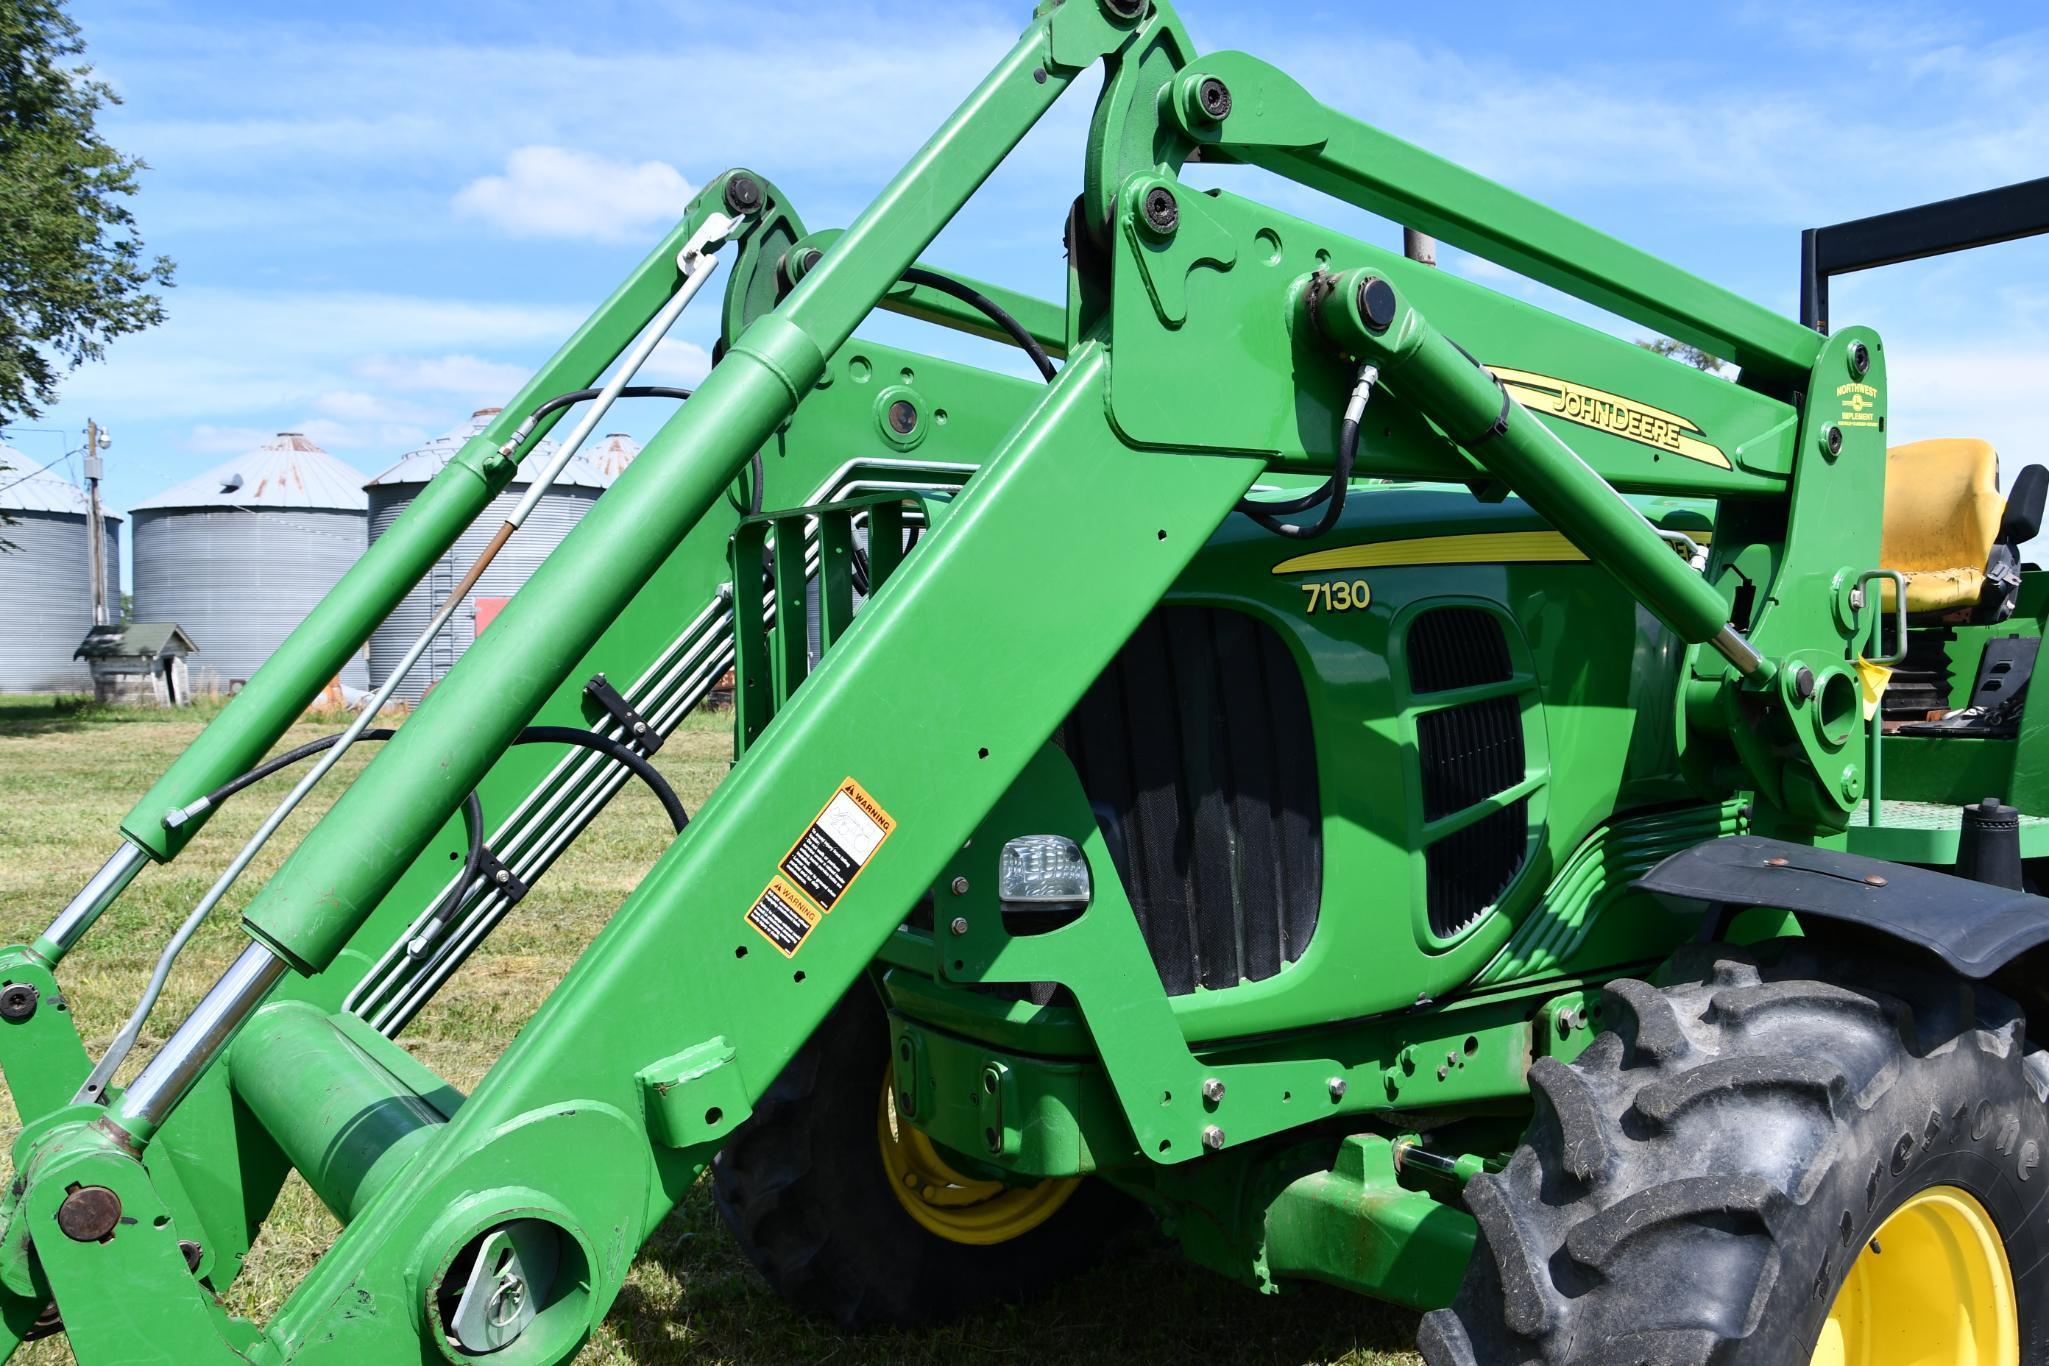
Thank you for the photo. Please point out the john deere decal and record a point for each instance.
(1611, 413)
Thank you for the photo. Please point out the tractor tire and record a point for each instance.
(1704, 1185)
(804, 1187)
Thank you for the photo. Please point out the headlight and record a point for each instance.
(1042, 870)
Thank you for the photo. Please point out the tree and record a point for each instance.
(1684, 354)
(73, 275)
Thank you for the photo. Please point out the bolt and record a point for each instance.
(1162, 211)
(743, 195)
(1376, 304)
(17, 1002)
(1875, 880)
(1337, 1088)
(89, 1214)
(959, 925)
(1852, 783)
(1803, 682)
(1443, 1072)
(960, 886)
(1213, 1090)
(1860, 360)
(1214, 98)
(1213, 1138)
(1832, 441)
(501, 877)
(903, 417)
(1775, 863)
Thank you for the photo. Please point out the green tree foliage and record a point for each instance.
(73, 275)
(1684, 354)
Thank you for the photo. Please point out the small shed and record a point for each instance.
(140, 662)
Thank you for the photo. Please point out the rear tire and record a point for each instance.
(1698, 1186)
(803, 1188)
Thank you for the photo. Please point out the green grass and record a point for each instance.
(69, 771)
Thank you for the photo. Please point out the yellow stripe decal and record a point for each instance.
(1610, 413)
(1501, 547)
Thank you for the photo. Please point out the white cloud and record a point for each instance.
(472, 378)
(677, 362)
(327, 433)
(560, 192)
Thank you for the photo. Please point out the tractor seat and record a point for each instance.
(1951, 533)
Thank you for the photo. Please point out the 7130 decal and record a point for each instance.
(1343, 595)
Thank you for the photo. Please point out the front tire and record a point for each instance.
(807, 1186)
(1717, 1178)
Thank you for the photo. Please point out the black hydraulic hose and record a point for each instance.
(1332, 493)
(561, 401)
(617, 749)
(988, 307)
(284, 761)
(472, 808)
(473, 861)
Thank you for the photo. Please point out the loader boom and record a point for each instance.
(1209, 343)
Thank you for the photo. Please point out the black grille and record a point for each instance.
(1195, 750)
(1469, 753)
(1456, 647)
(1469, 869)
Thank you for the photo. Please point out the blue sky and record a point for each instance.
(385, 214)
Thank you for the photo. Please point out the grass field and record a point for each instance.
(68, 775)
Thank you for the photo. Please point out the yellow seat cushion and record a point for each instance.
(1942, 512)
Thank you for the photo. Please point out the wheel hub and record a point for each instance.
(1931, 1288)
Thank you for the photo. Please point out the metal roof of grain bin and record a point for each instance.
(560, 509)
(240, 555)
(613, 454)
(46, 579)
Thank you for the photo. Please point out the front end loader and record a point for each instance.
(1410, 791)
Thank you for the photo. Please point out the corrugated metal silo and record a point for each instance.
(240, 555)
(558, 511)
(46, 579)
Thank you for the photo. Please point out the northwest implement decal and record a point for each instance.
(1860, 405)
(827, 858)
(1611, 413)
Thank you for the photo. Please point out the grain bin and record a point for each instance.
(240, 555)
(613, 454)
(560, 509)
(46, 578)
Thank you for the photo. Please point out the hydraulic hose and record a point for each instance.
(1331, 493)
(989, 308)
(575, 396)
(619, 750)
(451, 901)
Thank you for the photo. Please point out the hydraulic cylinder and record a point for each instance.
(343, 1118)
(1365, 314)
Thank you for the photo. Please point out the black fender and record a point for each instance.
(1976, 928)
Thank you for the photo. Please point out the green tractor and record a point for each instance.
(1413, 792)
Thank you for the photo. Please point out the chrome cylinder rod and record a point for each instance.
(100, 892)
(143, 1107)
(697, 262)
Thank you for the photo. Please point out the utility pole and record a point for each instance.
(1418, 246)
(95, 470)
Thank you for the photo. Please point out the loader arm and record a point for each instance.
(1207, 339)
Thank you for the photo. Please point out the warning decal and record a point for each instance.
(782, 917)
(828, 857)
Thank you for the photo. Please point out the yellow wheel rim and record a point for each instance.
(1931, 1288)
(958, 1208)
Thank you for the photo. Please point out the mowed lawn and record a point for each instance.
(67, 777)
